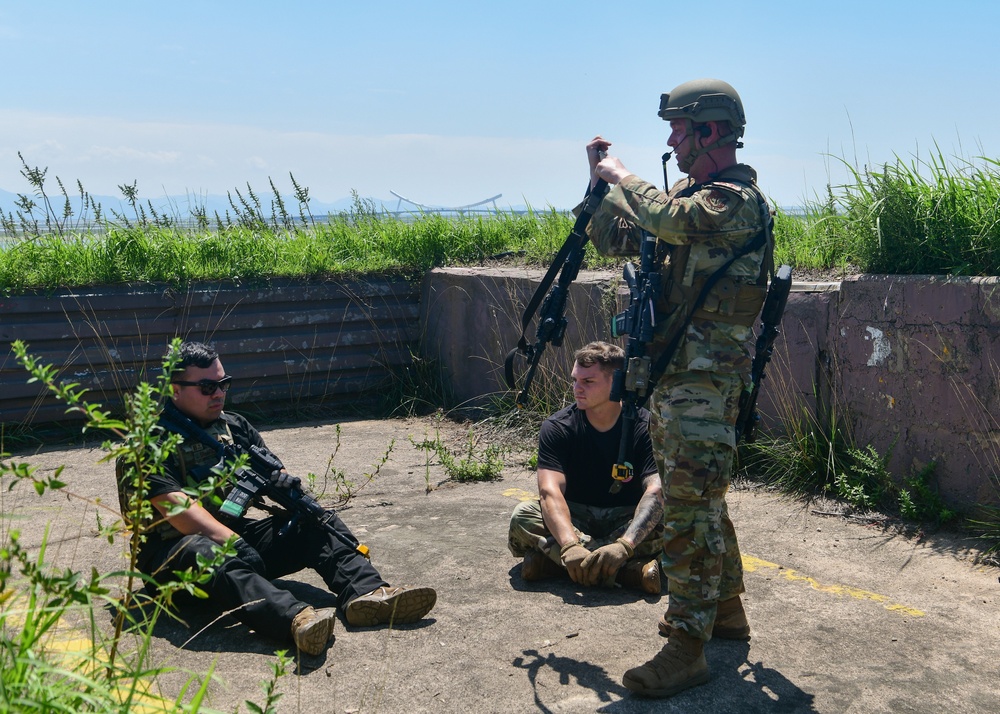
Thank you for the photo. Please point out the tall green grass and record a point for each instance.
(54, 240)
(920, 217)
(374, 244)
(934, 216)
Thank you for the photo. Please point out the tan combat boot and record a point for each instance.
(730, 621)
(641, 575)
(312, 629)
(398, 605)
(538, 566)
(678, 666)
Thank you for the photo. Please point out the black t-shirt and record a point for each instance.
(569, 444)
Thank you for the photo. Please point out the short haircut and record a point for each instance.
(194, 354)
(610, 357)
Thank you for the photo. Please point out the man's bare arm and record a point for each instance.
(555, 511)
(194, 519)
(648, 512)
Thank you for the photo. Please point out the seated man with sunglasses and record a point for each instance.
(265, 549)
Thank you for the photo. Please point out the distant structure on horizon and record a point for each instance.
(444, 209)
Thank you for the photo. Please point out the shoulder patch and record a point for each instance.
(741, 190)
(716, 200)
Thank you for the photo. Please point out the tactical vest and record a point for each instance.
(729, 300)
(188, 455)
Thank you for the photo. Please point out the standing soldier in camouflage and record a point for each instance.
(712, 228)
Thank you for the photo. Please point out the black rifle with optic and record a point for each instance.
(631, 384)
(255, 481)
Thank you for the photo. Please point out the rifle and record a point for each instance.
(552, 321)
(631, 384)
(254, 482)
(770, 318)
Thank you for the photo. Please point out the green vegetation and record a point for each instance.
(916, 218)
(44, 608)
(351, 244)
(79, 245)
(468, 464)
(344, 489)
(922, 217)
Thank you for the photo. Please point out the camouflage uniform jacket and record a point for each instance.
(709, 222)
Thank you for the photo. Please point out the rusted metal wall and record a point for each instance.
(284, 342)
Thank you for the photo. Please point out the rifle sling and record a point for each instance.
(176, 421)
(762, 239)
(663, 360)
(577, 239)
(572, 241)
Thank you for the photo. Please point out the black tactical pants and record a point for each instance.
(270, 609)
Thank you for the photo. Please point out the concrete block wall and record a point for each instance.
(908, 364)
(470, 319)
(916, 364)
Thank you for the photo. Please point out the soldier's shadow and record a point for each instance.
(737, 685)
(587, 675)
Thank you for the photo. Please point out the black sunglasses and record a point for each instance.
(208, 386)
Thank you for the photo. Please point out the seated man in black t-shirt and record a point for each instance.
(579, 525)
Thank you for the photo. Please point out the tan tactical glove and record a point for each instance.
(603, 564)
(572, 556)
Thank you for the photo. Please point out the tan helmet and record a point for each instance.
(702, 100)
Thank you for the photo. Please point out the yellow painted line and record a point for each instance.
(80, 655)
(751, 564)
(520, 494)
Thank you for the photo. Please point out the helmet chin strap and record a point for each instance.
(687, 162)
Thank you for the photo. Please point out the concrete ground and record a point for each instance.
(846, 617)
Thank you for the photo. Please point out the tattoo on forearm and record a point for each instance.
(648, 514)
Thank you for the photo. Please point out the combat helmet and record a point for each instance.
(703, 100)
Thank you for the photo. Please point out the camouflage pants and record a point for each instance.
(595, 526)
(694, 441)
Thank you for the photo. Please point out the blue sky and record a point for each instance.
(450, 103)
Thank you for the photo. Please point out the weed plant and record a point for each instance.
(42, 606)
(469, 464)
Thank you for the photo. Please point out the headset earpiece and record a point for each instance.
(704, 131)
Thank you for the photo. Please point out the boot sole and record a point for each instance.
(314, 638)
